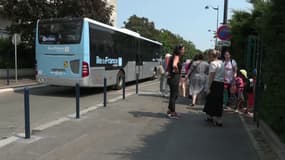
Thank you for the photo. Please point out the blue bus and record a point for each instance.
(84, 51)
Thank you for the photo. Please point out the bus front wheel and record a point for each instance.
(119, 82)
(154, 74)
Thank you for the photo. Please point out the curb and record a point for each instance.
(273, 139)
(21, 87)
(47, 125)
(252, 139)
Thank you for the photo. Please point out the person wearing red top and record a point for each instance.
(251, 93)
(240, 82)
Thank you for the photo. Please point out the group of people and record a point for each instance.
(213, 77)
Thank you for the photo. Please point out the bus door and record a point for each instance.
(139, 60)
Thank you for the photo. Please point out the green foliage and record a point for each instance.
(272, 30)
(267, 22)
(25, 13)
(143, 26)
(147, 29)
(6, 53)
(242, 26)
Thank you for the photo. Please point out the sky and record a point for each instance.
(187, 18)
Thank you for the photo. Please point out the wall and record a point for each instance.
(26, 72)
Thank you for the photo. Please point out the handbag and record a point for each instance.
(233, 89)
(194, 68)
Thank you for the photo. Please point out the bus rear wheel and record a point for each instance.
(119, 82)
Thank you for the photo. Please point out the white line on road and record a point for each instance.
(30, 86)
(51, 124)
(7, 141)
(6, 90)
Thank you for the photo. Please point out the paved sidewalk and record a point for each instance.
(21, 82)
(137, 129)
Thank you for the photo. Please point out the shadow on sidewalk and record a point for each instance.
(138, 114)
(191, 138)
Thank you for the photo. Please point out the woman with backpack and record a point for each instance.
(230, 74)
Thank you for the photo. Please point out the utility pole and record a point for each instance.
(225, 11)
(224, 23)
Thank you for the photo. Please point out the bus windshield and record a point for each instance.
(60, 32)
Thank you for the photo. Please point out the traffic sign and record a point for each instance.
(224, 43)
(16, 39)
(224, 32)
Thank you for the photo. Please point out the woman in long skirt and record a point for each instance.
(214, 101)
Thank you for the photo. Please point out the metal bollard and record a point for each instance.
(124, 87)
(77, 95)
(27, 113)
(8, 77)
(105, 92)
(137, 83)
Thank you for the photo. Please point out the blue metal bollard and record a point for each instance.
(8, 77)
(137, 83)
(124, 87)
(27, 113)
(77, 94)
(105, 92)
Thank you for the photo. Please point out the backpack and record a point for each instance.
(249, 85)
(169, 66)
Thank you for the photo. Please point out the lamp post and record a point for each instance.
(217, 25)
(215, 36)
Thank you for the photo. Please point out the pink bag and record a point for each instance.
(233, 89)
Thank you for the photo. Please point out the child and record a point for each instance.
(251, 93)
(240, 81)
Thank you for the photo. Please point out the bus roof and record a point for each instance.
(122, 30)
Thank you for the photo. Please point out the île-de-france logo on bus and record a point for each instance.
(115, 62)
(59, 49)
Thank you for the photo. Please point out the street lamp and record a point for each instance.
(217, 25)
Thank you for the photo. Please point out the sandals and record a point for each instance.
(218, 124)
(173, 115)
(209, 119)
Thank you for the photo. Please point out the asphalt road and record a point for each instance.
(51, 103)
(136, 129)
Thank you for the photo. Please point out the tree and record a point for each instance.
(272, 33)
(143, 26)
(94, 9)
(267, 22)
(242, 25)
(25, 13)
(147, 29)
